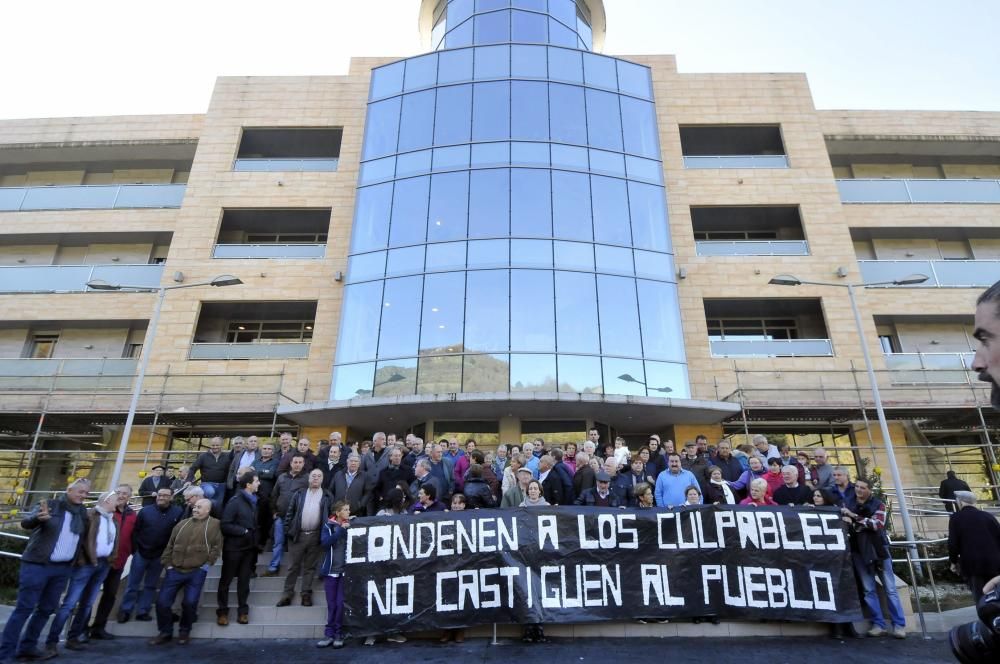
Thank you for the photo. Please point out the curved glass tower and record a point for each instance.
(510, 231)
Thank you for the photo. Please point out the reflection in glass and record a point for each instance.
(619, 316)
(489, 198)
(611, 224)
(529, 110)
(359, 319)
(395, 378)
(455, 66)
(529, 154)
(532, 373)
(491, 111)
(416, 122)
(574, 256)
(407, 260)
(492, 62)
(531, 253)
(571, 214)
(607, 163)
(560, 35)
(662, 337)
(382, 128)
(599, 71)
(486, 373)
(445, 256)
(371, 218)
(352, 381)
(400, 313)
(580, 374)
(529, 28)
(488, 253)
(443, 312)
(613, 260)
(567, 107)
(377, 170)
(366, 266)
(576, 313)
(453, 117)
(653, 265)
(531, 204)
(644, 169)
(409, 211)
(458, 11)
(492, 28)
(649, 217)
(568, 156)
(564, 11)
(438, 375)
(449, 206)
(604, 120)
(413, 163)
(532, 319)
(490, 154)
(453, 157)
(639, 124)
(421, 72)
(537, 5)
(460, 36)
(624, 377)
(565, 65)
(660, 375)
(528, 62)
(487, 305)
(387, 80)
(634, 80)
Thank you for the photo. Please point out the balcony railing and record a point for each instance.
(930, 368)
(919, 191)
(269, 251)
(940, 273)
(772, 348)
(74, 278)
(737, 161)
(292, 350)
(91, 197)
(752, 247)
(66, 374)
(309, 164)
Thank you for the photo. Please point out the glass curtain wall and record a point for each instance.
(510, 229)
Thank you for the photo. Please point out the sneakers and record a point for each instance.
(899, 632)
(876, 631)
(370, 641)
(396, 638)
(338, 643)
(325, 643)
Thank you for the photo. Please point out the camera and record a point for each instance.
(979, 642)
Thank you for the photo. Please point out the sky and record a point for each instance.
(116, 57)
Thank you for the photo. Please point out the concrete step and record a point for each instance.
(263, 598)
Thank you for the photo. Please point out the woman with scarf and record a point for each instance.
(717, 491)
(756, 470)
(97, 551)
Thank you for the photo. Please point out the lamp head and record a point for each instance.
(628, 378)
(911, 280)
(100, 284)
(226, 280)
(785, 280)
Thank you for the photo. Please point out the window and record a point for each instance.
(490, 198)
(371, 219)
(443, 310)
(491, 111)
(42, 346)
(532, 316)
(285, 238)
(888, 343)
(359, 320)
(382, 128)
(576, 313)
(529, 111)
(266, 331)
(531, 205)
(764, 329)
(604, 120)
(611, 224)
(569, 121)
(449, 206)
(571, 213)
(453, 115)
(487, 308)
(132, 351)
(416, 123)
(409, 211)
(619, 317)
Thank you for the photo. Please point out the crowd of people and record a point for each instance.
(289, 506)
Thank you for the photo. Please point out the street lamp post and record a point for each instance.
(147, 349)
(628, 378)
(913, 279)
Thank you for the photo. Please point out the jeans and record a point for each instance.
(39, 588)
(83, 588)
(174, 581)
(238, 565)
(279, 544)
(334, 586)
(866, 574)
(148, 568)
(219, 499)
(108, 597)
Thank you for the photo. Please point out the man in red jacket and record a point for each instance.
(125, 521)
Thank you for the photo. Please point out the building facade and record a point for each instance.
(510, 236)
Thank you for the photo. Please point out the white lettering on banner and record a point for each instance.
(760, 529)
(833, 528)
(565, 586)
(654, 578)
(612, 531)
(767, 588)
(390, 601)
(790, 544)
(811, 531)
(353, 534)
(435, 538)
(548, 530)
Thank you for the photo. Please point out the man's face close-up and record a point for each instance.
(986, 363)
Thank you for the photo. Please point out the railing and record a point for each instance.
(269, 251)
(918, 191)
(737, 161)
(772, 348)
(67, 374)
(74, 278)
(91, 197)
(940, 273)
(289, 164)
(294, 350)
(930, 368)
(752, 247)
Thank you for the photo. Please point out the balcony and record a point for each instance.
(250, 351)
(269, 251)
(752, 247)
(733, 146)
(919, 191)
(930, 368)
(772, 348)
(737, 161)
(289, 149)
(317, 164)
(23, 374)
(74, 278)
(940, 273)
(91, 197)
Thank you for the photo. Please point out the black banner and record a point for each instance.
(578, 564)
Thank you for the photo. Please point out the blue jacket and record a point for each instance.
(333, 539)
(152, 529)
(670, 488)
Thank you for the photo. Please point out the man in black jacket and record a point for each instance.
(949, 486)
(266, 467)
(478, 494)
(353, 486)
(46, 566)
(552, 489)
(151, 484)
(286, 486)
(389, 476)
(601, 495)
(239, 548)
(973, 543)
(307, 511)
(214, 468)
(149, 538)
(729, 465)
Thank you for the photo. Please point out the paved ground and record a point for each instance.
(913, 650)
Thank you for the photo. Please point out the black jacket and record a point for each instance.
(388, 477)
(267, 473)
(626, 483)
(239, 523)
(45, 534)
(359, 494)
(212, 469)
(584, 479)
(974, 542)
(731, 468)
(152, 530)
(285, 488)
(589, 499)
(478, 494)
(552, 489)
(147, 489)
(293, 516)
(569, 493)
